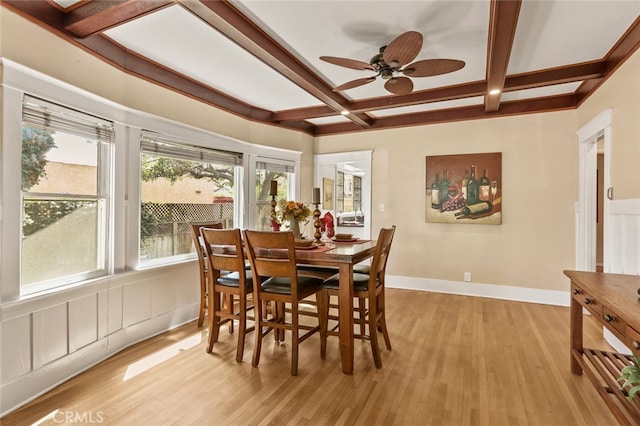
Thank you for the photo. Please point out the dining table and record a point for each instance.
(343, 255)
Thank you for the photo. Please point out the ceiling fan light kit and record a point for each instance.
(389, 61)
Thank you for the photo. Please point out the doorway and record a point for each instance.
(600, 207)
(354, 169)
(593, 200)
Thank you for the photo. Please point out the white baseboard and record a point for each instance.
(519, 294)
(615, 342)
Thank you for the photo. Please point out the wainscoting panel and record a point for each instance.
(115, 303)
(16, 348)
(50, 338)
(83, 321)
(136, 302)
(164, 296)
(624, 244)
(103, 317)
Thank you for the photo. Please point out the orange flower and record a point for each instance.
(288, 210)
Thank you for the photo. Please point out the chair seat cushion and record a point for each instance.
(360, 282)
(362, 268)
(282, 285)
(232, 279)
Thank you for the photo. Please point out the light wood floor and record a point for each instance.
(456, 360)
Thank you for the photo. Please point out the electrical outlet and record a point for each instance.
(467, 276)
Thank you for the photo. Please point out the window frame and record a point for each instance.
(285, 166)
(102, 197)
(18, 81)
(124, 209)
(183, 150)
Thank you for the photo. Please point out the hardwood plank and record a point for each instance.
(456, 360)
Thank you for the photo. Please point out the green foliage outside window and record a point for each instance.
(35, 146)
(39, 214)
(173, 170)
(148, 220)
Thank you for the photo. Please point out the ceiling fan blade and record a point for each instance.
(431, 67)
(403, 49)
(399, 85)
(349, 63)
(354, 83)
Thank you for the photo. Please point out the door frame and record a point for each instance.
(327, 165)
(586, 206)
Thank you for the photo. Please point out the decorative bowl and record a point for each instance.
(303, 243)
(343, 236)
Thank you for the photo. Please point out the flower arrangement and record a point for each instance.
(288, 210)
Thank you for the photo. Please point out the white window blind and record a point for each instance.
(276, 167)
(154, 144)
(49, 116)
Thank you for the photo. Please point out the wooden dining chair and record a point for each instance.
(276, 282)
(227, 280)
(369, 291)
(202, 263)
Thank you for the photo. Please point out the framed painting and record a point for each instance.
(464, 188)
(327, 194)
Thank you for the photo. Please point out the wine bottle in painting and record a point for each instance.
(444, 188)
(478, 208)
(463, 184)
(485, 187)
(435, 193)
(472, 187)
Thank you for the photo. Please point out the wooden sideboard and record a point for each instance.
(613, 300)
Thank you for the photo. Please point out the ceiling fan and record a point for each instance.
(390, 64)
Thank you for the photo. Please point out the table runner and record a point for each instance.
(317, 249)
(349, 242)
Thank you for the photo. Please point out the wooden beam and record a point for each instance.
(559, 75)
(530, 106)
(225, 18)
(97, 16)
(547, 77)
(503, 20)
(623, 49)
(75, 24)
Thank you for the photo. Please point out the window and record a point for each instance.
(266, 171)
(349, 200)
(66, 164)
(182, 184)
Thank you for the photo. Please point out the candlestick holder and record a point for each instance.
(274, 203)
(317, 224)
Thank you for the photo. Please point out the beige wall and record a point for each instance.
(621, 93)
(539, 153)
(539, 170)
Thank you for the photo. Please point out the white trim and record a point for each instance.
(585, 223)
(10, 167)
(327, 165)
(493, 291)
(627, 206)
(596, 125)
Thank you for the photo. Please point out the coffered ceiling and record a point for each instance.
(260, 59)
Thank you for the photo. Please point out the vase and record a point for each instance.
(294, 226)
